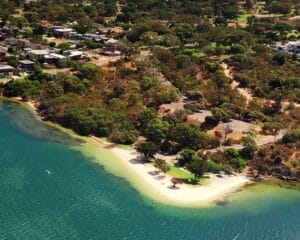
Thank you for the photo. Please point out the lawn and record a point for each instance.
(179, 173)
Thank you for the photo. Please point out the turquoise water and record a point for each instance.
(80, 200)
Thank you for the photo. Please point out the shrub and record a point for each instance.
(194, 95)
(292, 137)
(279, 58)
(214, 167)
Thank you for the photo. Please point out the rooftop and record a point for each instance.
(39, 52)
(64, 30)
(55, 55)
(6, 67)
(73, 53)
(26, 62)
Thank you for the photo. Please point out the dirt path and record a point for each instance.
(234, 84)
(261, 141)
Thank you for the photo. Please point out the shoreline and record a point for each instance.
(145, 177)
(214, 190)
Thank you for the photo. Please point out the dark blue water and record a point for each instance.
(80, 200)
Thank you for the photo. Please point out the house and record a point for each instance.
(7, 70)
(50, 27)
(54, 58)
(111, 49)
(63, 32)
(73, 54)
(74, 36)
(26, 65)
(94, 37)
(29, 1)
(28, 44)
(11, 41)
(38, 55)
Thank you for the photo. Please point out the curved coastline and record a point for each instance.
(120, 161)
(159, 188)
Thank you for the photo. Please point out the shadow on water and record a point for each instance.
(27, 122)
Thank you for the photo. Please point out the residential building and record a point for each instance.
(63, 32)
(54, 58)
(74, 54)
(26, 65)
(38, 55)
(11, 41)
(111, 49)
(7, 70)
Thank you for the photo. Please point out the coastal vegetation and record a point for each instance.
(173, 50)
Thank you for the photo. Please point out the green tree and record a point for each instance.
(197, 168)
(147, 82)
(272, 127)
(19, 22)
(161, 165)
(187, 156)
(279, 58)
(183, 135)
(175, 181)
(110, 8)
(84, 25)
(148, 149)
(292, 136)
(250, 147)
(156, 130)
(146, 117)
(248, 5)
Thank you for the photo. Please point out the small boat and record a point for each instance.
(47, 171)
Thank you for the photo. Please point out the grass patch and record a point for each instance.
(293, 33)
(179, 173)
(242, 19)
(185, 175)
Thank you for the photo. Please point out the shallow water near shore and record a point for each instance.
(51, 187)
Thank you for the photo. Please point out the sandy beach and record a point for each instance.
(158, 186)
